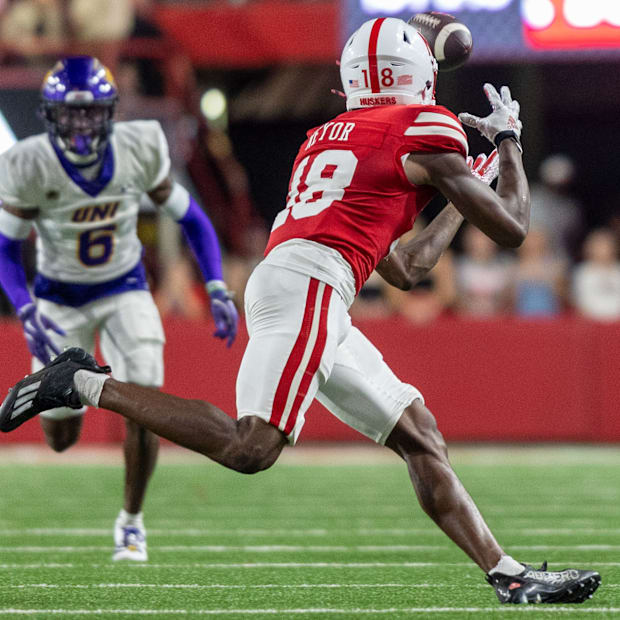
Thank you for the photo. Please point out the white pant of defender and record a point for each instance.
(131, 337)
(302, 346)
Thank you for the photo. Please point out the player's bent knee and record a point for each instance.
(257, 445)
(417, 433)
(252, 460)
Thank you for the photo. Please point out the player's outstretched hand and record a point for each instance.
(35, 329)
(485, 167)
(225, 316)
(503, 118)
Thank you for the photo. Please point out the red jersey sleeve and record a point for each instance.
(432, 129)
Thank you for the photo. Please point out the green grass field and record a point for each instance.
(302, 540)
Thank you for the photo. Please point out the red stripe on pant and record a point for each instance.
(372, 56)
(313, 363)
(295, 356)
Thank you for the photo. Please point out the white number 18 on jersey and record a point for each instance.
(313, 191)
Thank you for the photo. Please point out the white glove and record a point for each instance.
(503, 122)
(485, 168)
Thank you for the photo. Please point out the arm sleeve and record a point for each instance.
(198, 231)
(12, 274)
(202, 238)
(13, 230)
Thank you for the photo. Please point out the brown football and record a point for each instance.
(449, 39)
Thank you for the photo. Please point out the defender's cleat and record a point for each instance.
(130, 543)
(50, 387)
(541, 586)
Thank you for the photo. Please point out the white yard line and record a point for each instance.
(302, 533)
(228, 565)
(250, 565)
(217, 586)
(264, 586)
(293, 548)
(235, 548)
(537, 609)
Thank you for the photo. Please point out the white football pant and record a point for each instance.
(302, 346)
(131, 338)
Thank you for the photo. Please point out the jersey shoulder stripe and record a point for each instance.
(436, 118)
(438, 127)
(439, 131)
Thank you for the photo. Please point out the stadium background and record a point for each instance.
(273, 65)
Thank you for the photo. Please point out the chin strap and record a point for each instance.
(81, 161)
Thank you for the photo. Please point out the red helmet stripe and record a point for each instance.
(372, 55)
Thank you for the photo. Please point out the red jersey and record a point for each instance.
(348, 189)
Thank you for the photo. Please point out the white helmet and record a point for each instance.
(387, 62)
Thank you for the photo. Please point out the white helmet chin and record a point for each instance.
(387, 62)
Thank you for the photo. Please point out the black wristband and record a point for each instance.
(509, 133)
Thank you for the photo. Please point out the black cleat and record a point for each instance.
(50, 387)
(541, 586)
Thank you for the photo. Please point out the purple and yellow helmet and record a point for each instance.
(78, 97)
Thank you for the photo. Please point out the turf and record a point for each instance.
(298, 541)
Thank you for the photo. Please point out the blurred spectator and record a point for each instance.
(100, 20)
(371, 303)
(27, 22)
(431, 297)
(613, 223)
(482, 277)
(555, 209)
(31, 26)
(539, 278)
(596, 284)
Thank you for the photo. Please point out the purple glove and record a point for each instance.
(225, 315)
(35, 326)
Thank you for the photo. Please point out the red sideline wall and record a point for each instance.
(501, 380)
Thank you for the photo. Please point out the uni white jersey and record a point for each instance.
(86, 233)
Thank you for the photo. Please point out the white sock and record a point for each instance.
(507, 566)
(89, 386)
(127, 518)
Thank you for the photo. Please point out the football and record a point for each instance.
(449, 39)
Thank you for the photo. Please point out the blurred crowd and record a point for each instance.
(562, 268)
(28, 25)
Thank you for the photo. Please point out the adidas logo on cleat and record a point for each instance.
(25, 398)
(48, 388)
